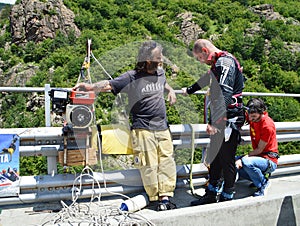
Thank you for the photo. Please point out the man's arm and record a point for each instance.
(171, 95)
(102, 86)
(97, 87)
(203, 81)
(261, 146)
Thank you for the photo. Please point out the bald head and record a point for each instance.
(203, 49)
(203, 43)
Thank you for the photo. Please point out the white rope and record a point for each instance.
(94, 212)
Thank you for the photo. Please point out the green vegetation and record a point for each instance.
(115, 26)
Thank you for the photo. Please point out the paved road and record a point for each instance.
(281, 206)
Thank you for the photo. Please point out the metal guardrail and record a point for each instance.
(286, 131)
(61, 186)
(47, 141)
(47, 88)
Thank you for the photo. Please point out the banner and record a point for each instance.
(9, 165)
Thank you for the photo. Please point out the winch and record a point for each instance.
(79, 113)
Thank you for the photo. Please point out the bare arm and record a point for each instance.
(171, 94)
(97, 87)
(261, 146)
(102, 86)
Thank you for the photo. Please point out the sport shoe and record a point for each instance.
(263, 189)
(226, 196)
(207, 198)
(165, 205)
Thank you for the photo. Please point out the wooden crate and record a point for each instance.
(78, 157)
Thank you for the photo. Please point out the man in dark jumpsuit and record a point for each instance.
(226, 84)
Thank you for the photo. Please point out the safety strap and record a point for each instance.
(225, 53)
(192, 162)
(272, 154)
(268, 171)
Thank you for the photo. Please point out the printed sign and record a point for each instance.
(9, 165)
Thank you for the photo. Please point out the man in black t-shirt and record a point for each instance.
(151, 138)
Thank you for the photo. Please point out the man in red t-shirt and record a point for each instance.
(263, 159)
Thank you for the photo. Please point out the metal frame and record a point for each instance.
(47, 141)
(62, 186)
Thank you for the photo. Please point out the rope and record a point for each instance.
(118, 95)
(192, 159)
(92, 55)
(192, 162)
(95, 212)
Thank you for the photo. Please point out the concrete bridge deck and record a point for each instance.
(280, 206)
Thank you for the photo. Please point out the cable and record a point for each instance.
(101, 66)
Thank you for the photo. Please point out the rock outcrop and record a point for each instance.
(190, 31)
(18, 75)
(267, 11)
(36, 20)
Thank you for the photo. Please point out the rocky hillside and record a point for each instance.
(43, 41)
(36, 21)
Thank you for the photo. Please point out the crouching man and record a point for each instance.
(262, 160)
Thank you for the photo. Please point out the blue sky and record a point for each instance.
(8, 1)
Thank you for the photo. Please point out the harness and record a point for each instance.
(238, 101)
(237, 98)
(269, 170)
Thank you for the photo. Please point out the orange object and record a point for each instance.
(82, 97)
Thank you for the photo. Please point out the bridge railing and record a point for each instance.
(48, 141)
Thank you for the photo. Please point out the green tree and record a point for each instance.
(268, 61)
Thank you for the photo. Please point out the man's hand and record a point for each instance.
(83, 87)
(238, 163)
(184, 92)
(211, 130)
(171, 94)
(172, 97)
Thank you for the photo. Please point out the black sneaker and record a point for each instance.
(207, 198)
(225, 197)
(165, 205)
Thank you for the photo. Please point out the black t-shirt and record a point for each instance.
(146, 98)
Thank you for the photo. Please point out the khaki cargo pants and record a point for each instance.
(153, 156)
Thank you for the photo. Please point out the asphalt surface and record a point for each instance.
(280, 206)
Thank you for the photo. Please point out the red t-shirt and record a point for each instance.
(264, 130)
